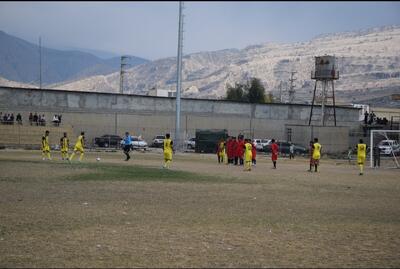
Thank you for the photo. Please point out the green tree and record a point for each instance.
(255, 91)
(252, 91)
(236, 93)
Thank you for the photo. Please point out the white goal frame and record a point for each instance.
(371, 145)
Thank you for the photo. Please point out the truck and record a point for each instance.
(207, 139)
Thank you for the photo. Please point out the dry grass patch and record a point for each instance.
(200, 214)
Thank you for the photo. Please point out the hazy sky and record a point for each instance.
(149, 29)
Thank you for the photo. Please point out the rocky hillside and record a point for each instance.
(368, 62)
(10, 83)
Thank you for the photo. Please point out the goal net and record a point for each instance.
(384, 148)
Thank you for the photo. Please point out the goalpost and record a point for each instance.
(383, 135)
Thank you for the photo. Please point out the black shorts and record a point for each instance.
(127, 148)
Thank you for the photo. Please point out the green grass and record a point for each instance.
(139, 173)
(116, 172)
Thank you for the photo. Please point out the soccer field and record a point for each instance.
(198, 214)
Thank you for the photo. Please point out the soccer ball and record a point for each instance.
(98, 159)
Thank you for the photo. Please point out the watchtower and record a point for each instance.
(325, 74)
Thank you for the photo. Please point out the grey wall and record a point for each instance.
(100, 113)
(333, 139)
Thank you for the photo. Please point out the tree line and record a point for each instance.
(251, 91)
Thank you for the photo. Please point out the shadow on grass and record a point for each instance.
(138, 173)
(120, 172)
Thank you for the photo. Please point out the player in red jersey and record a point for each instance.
(310, 153)
(241, 149)
(274, 152)
(235, 155)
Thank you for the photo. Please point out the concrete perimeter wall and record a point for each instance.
(333, 139)
(107, 113)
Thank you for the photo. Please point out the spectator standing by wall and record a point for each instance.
(36, 119)
(365, 117)
(12, 118)
(19, 119)
(43, 120)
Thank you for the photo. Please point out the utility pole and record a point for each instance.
(40, 62)
(122, 72)
(280, 91)
(291, 89)
(179, 78)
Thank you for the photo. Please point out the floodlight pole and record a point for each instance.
(179, 78)
(40, 62)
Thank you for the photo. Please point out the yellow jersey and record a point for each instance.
(317, 151)
(221, 149)
(361, 150)
(248, 154)
(64, 143)
(80, 142)
(167, 145)
(45, 143)
(167, 149)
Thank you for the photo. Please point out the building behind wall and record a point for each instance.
(110, 113)
(161, 92)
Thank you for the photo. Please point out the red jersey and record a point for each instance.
(229, 148)
(274, 151)
(240, 149)
(234, 148)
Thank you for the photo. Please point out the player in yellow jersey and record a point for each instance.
(221, 151)
(248, 156)
(80, 143)
(316, 153)
(361, 153)
(168, 149)
(46, 146)
(64, 146)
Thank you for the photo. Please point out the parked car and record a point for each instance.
(265, 142)
(191, 143)
(261, 143)
(138, 143)
(158, 141)
(284, 148)
(107, 141)
(386, 147)
(257, 143)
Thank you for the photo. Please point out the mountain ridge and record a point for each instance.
(368, 60)
(20, 62)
